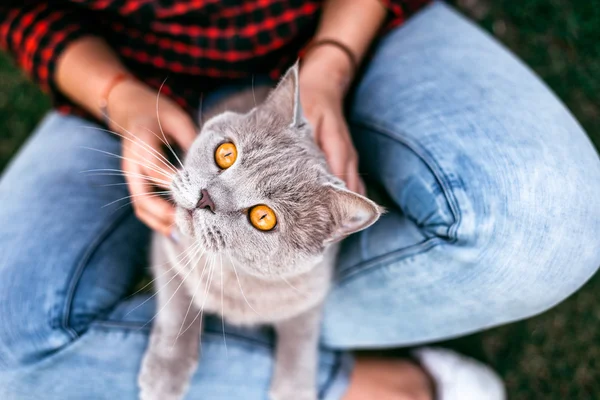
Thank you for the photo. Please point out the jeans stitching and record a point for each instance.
(214, 335)
(386, 259)
(75, 278)
(356, 270)
(428, 160)
(333, 373)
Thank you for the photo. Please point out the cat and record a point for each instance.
(256, 194)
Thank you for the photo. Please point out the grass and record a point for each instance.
(552, 356)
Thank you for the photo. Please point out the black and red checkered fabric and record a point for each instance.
(198, 44)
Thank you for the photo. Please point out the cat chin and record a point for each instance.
(275, 272)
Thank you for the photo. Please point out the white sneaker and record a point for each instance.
(460, 378)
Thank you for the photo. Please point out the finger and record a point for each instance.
(353, 180)
(160, 177)
(154, 223)
(362, 189)
(148, 147)
(180, 127)
(139, 159)
(332, 143)
(155, 212)
(160, 208)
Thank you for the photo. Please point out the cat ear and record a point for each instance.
(284, 100)
(351, 212)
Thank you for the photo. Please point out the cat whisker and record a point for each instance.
(129, 203)
(165, 143)
(197, 249)
(301, 293)
(158, 155)
(191, 304)
(201, 308)
(253, 94)
(147, 180)
(151, 167)
(208, 281)
(133, 196)
(149, 298)
(160, 125)
(180, 257)
(149, 283)
(173, 294)
(125, 130)
(171, 169)
(115, 184)
(118, 172)
(223, 307)
(206, 288)
(240, 284)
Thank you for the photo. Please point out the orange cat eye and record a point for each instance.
(225, 155)
(262, 217)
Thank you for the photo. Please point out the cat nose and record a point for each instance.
(205, 201)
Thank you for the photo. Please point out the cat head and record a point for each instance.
(256, 187)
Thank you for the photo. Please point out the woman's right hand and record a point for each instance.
(132, 107)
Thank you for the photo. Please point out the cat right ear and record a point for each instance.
(351, 212)
(284, 100)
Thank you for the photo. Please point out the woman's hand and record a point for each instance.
(324, 78)
(132, 107)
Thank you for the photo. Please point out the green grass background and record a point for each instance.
(552, 356)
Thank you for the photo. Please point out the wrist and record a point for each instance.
(110, 85)
(128, 97)
(331, 63)
(84, 69)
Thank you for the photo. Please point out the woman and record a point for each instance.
(492, 210)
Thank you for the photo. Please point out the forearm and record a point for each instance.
(353, 23)
(85, 69)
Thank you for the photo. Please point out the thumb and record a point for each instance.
(181, 128)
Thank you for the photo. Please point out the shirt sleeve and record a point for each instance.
(35, 33)
(399, 10)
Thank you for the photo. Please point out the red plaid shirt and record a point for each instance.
(198, 44)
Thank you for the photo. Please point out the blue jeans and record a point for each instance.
(493, 217)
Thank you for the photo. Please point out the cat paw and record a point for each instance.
(289, 393)
(165, 378)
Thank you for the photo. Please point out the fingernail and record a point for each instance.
(174, 236)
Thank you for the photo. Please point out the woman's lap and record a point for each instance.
(70, 258)
(493, 217)
(486, 165)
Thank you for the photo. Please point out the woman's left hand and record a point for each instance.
(324, 77)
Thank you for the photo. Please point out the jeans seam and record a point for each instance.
(428, 160)
(332, 375)
(75, 277)
(451, 231)
(139, 327)
(385, 259)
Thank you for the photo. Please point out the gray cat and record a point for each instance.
(255, 199)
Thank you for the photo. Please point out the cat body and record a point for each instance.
(261, 217)
(243, 299)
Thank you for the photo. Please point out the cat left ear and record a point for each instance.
(351, 212)
(285, 98)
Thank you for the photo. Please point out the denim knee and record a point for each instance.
(27, 332)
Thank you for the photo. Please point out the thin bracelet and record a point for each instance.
(332, 42)
(103, 103)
